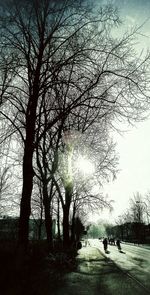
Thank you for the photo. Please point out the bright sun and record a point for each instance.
(85, 166)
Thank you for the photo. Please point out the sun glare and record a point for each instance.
(85, 166)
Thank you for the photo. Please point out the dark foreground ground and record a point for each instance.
(90, 273)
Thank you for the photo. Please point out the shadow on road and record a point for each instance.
(96, 274)
(107, 252)
(122, 252)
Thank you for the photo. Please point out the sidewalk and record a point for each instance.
(97, 275)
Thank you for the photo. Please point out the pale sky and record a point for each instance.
(134, 165)
(134, 146)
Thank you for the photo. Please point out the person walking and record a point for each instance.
(105, 243)
(118, 244)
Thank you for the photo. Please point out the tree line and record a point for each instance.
(134, 224)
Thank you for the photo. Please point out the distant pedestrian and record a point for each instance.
(118, 244)
(105, 243)
(86, 242)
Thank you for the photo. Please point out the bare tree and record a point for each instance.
(76, 192)
(137, 208)
(146, 202)
(64, 54)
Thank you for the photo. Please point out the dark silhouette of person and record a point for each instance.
(105, 243)
(118, 244)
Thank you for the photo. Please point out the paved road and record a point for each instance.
(134, 260)
(96, 275)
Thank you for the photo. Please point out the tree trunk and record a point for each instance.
(58, 218)
(66, 210)
(48, 226)
(25, 206)
(66, 237)
(39, 230)
(73, 225)
(40, 225)
(48, 218)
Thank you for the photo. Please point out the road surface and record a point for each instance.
(133, 260)
(96, 274)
